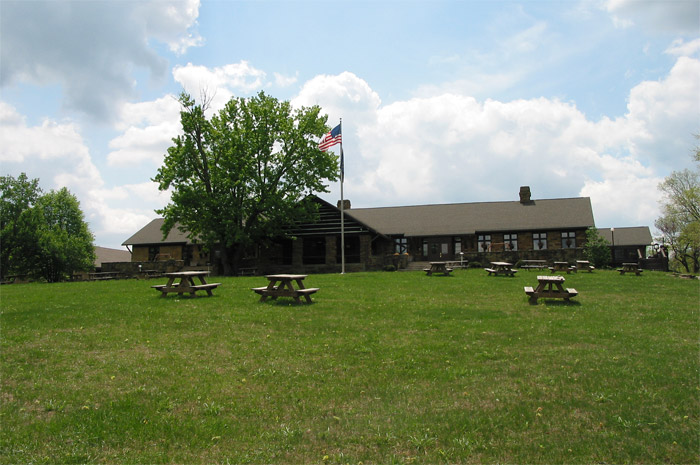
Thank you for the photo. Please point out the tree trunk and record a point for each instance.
(225, 261)
(231, 259)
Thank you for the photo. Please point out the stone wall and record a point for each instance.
(139, 269)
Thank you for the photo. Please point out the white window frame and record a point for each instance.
(508, 240)
(484, 243)
(537, 238)
(566, 235)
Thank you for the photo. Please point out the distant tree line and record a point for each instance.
(42, 235)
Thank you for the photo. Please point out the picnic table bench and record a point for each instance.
(438, 267)
(282, 285)
(104, 275)
(533, 264)
(630, 268)
(584, 265)
(457, 264)
(562, 266)
(186, 284)
(501, 268)
(550, 287)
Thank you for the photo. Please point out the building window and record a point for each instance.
(425, 248)
(568, 240)
(401, 245)
(484, 243)
(153, 252)
(539, 241)
(458, 245)
(510, 242)
(314, 251)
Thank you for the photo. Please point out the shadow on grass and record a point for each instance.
(555, 302)
(286, 302)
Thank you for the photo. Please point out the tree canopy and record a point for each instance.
(42, 235)
(680, 219)
(239, 178)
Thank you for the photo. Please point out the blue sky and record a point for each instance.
(441, 101)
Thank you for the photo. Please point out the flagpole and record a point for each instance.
(342, 205)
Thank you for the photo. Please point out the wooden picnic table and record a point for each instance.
(550, 287)
(186, 284)
(501, 268)
(584, 265)
(104, 275)
(630, 268)
(533, 264)
(147, 274)
(438, 267)
(562, 266)
(282, 285)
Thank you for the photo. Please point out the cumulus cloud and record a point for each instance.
(344, 95)
(679, 47)
(147, 132)
(54, 149)
(56, 153)
(221, 83)
(91, 49)
(664, 115)
(452, 147)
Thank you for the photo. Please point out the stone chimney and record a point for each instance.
(346, 204)
(525, 194)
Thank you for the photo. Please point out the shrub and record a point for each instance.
(597, 249)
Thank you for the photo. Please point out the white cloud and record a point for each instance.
(148, 129)
(123, 210)
(451, 147)
(56, 154)
(220, 83)
(676, 16)
(91, 49)
(686, 49)
(51, 141)
(343, 96)
(285, 81)
(665, 115)
(172, 23)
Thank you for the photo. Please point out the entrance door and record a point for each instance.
(438, 250)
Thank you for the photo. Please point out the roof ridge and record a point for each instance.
(465, 203)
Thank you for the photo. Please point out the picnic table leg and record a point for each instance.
(270, 287)
(163, 291)
(204, 281)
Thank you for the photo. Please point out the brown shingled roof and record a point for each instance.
(107, 255)
(471, 218)
(152, 234)
(637, 235)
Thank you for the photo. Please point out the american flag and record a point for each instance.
(331, 138)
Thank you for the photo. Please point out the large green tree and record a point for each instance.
(65, 241)
(239, 178)
(19, 224)
(680, 220)
(42, 235)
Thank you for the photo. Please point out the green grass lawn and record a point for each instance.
(381, 368)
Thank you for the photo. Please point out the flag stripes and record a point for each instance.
(331, 138)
